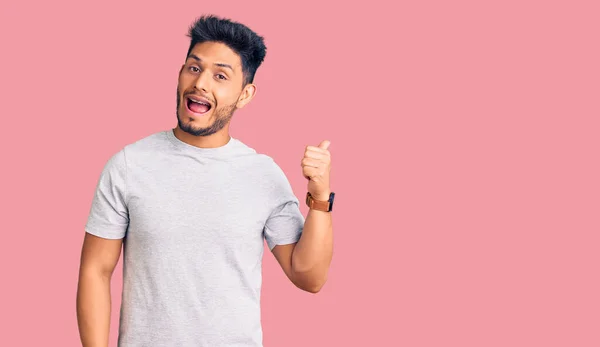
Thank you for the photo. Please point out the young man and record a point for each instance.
(192, 207)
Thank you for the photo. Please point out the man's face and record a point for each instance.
(210, 89)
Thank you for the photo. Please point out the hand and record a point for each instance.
(316, 165)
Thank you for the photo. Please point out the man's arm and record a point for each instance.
(306, 263)
(99, 256)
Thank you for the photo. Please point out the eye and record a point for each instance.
(194, 69)
(221, 77)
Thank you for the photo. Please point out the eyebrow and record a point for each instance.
(217, 64)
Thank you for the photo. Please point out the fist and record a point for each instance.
(316, 165)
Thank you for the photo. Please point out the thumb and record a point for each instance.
(324, 145)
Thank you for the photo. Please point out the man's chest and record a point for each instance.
(203, 207)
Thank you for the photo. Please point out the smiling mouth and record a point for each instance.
(197, 106)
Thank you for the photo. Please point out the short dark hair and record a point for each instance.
(245, 42)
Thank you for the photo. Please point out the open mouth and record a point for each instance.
(197, 105)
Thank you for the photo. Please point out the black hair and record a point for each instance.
(245, 42)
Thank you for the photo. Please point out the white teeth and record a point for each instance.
(200, 102)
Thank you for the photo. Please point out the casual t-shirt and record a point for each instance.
(194, 222)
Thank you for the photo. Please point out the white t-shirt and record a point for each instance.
(194, 221)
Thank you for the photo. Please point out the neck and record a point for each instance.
(218, 139)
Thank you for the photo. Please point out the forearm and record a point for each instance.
(93, 309)
(313, 253)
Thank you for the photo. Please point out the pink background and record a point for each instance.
(464, 139)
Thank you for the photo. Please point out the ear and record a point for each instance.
(247, 94)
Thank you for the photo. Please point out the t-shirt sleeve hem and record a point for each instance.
(284, 241)
(105, 233)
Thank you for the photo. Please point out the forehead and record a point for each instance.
(217, 53)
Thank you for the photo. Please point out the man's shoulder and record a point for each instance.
(119, 157)
(261, 159)
(155, 140)
(263, 164)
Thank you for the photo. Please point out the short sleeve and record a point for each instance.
(286, 222)
(109, 216)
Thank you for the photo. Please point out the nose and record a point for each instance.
(203, 81)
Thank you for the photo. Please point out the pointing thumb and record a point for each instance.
(324, 145)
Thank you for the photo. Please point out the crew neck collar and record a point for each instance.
(187, 147)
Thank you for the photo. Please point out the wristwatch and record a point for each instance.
(320, 205)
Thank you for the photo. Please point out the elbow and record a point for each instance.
(312, 286)
(310, 279)
(314, 289)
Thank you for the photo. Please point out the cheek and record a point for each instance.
(224, 97)
(184, 82)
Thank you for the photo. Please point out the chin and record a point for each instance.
(191, 126)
